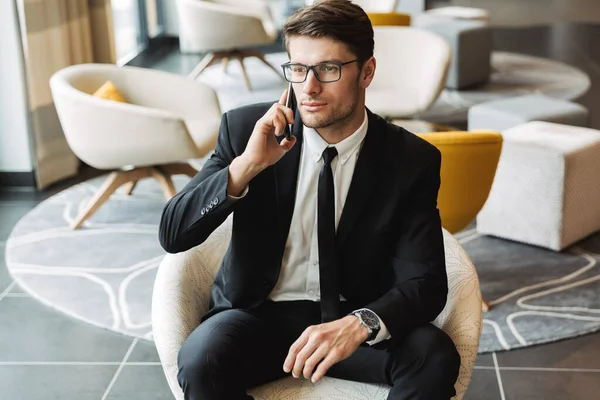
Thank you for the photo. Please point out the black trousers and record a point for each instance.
(236, 350)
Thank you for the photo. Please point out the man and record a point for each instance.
(336, 262)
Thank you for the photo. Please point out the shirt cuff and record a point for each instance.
(383, 334)
(234, 198)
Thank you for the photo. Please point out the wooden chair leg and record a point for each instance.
(225, 63)
(206, 62)
(179, 169)
(485, 305)
(110, 185)
(129, 186)
(244, 73)
(165, 182)
(262, 58)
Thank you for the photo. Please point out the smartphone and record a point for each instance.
(290, 101)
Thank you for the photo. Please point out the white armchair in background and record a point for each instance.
(412, 66)
(380, 6)
(167, 120)
(181, 297)
(225, 30)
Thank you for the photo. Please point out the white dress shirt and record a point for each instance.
(299, 275)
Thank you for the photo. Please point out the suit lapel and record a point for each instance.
(364, 180)
(286, 179)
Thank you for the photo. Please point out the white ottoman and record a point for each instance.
(546, 190)
(457, 12)
(500, 115)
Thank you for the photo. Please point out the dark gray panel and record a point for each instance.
(45, 382)
(484, 360)
(581, 352)
(35, 332)
(144, 351)
(484, 386)
(543, 385)
(10, 214)
(140, 382)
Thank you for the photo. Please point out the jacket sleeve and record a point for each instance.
(198, 209)
(421, 283)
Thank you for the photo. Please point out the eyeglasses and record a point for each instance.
(325, 72)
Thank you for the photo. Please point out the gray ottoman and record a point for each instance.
(471, 42)
(547, 186)
(503, 114)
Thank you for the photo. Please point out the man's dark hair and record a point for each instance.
(339, 20)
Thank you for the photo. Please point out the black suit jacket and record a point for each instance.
(389, 237)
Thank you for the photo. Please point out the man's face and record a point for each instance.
(321, 104)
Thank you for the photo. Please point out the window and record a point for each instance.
(135, 22)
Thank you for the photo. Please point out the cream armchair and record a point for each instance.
(225, 30)
(181, 296)
(412, 66)
(167, 120)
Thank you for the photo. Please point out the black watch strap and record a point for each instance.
(373, 334)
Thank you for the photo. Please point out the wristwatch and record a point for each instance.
(369, 320)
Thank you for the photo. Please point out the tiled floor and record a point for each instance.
(46, 355)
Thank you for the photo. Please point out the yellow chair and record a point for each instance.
(469, 161)
(389, 19)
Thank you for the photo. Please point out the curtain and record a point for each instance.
(57, 34)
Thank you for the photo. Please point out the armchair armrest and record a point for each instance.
(181, 297)
(462, 317)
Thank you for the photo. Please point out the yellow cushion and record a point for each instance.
(469, 161)
(389, 19)
(109, 91)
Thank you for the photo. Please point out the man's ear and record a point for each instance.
(368, 72)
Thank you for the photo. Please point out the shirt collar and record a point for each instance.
(346, 148)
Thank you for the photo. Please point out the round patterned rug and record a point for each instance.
(104, 273)
(512, 75)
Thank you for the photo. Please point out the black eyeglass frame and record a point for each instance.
(313, 68)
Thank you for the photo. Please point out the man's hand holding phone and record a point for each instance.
(263, 149)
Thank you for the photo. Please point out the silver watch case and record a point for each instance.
(369, 320)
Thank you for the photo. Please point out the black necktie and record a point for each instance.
(328, 277)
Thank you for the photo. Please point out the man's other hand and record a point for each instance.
(323, 345)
